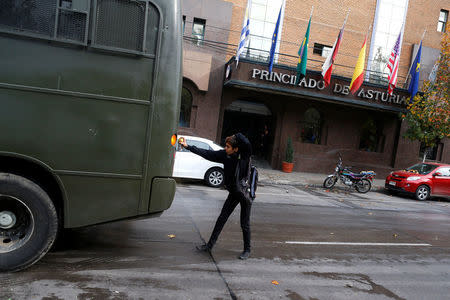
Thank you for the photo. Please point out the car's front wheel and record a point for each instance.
(214, 177)
(422, 193)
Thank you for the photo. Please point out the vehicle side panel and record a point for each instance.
(441, 183)
(98, 119)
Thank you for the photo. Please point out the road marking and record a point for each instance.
(280, 194)
(357, 244)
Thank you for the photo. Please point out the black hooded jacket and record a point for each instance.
(229, 161)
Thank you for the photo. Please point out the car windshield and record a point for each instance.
(422, 169)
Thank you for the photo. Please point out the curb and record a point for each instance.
(314, 185)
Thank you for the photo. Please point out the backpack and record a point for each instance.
(247, 186)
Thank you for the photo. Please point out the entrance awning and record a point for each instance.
(249, 107)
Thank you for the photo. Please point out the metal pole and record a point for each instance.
(407, 74)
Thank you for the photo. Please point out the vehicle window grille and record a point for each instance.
(72, 25)
(32, 16)
(120, 24)
(152, 29)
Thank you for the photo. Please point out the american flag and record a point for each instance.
(393, 64)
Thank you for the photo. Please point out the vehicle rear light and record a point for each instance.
(173, 140)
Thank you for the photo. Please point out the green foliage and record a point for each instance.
(428, 115)
(289, 151)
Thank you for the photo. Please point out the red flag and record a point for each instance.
(327, 67)
(358, 74)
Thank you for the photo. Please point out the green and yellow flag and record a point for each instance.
(303, 55)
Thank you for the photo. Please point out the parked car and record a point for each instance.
(423, 180)
(190, 165)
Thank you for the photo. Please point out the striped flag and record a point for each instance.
(358, 76)
(303, 55)
(393, 63)
(245, 32)
(432, 76)
(327, 67)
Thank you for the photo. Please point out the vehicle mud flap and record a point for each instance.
(162, 194)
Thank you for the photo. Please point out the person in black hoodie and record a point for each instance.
(237, 151)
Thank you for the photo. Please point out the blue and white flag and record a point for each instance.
(433, 73)
(274, 40)
(415, 72)
(245, 32)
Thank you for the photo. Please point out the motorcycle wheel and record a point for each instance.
(363, 186)
(329, 182)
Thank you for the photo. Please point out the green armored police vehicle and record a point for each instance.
(89, 97)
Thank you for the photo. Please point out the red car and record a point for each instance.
(423, 180)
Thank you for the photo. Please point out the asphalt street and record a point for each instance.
(308, 243)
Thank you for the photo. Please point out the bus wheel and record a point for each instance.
(28, 223)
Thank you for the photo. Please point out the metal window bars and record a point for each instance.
(49, 19)
(118, 25)
(121, 25)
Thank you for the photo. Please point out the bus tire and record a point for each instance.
(28, 223)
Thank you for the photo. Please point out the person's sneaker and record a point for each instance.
(245, 254)
(203, 248)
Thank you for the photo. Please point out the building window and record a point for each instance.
(432, 153)
(390, 16)
(263, 18)
(322, 50)
(186, 107)
(198, 30)
(372, 139)
(184, 23)
(311, 127)
(443, 18)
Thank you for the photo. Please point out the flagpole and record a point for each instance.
(346, 17)
(312, 9)
(407, 74)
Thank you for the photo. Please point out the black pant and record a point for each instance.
(232, 201)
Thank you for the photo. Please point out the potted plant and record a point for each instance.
(288, 164)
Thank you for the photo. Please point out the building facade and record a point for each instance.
(322, 121)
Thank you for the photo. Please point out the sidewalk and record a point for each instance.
(276, 177)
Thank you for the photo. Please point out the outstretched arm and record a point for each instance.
(215, 156)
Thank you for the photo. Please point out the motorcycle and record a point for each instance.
(362, 181)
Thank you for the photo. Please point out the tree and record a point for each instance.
(428, 114)
(289, 151)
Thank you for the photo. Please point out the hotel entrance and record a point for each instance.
(255, 121)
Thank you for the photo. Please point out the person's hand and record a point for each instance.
(182, 142)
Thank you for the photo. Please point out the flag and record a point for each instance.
(327, 67)
(245, 32)
(358, 76)
(274, 41)
(393, 63)
(433, 73)
(415, 72)
(303, 55)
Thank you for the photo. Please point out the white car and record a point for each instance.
(190, 165)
